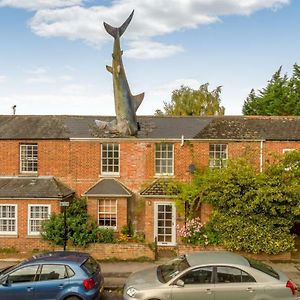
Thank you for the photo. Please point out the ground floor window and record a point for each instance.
(36, 215)
(107, 212)
(8, 219)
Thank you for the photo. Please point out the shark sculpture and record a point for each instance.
(126, 104)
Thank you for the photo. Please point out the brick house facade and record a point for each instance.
(47, 159)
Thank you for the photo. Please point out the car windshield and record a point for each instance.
(7, 269)
(169, 270)
(263, 268)
(91, 266)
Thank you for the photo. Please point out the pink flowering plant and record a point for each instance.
(196, 233)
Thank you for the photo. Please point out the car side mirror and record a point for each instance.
(180, 283)
(5, 281)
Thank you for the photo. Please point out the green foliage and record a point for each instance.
(280, 97)
(189, 102)
(253, 211)
(81, 229)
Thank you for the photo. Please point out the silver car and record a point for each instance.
(210, 275)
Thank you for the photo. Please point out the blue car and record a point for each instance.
(59, 275)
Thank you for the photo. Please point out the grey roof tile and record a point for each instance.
(153, 127)
(33, 187)
(108, 188)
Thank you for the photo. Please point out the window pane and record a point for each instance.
(107, 214)
(28, 158)
(164, 159)
(37, 214)
(228, 275)
(52, 272)
(198, 276)
(25, 274)
(110, 158)
(217, 155)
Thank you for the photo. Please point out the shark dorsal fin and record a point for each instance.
(137, 100)
(114, 30)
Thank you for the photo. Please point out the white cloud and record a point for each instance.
(142, 49)
(39, 4)
(3, 78)
(73, 20)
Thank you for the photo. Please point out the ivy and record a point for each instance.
(253, 211)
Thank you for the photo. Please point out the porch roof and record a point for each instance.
(109, 187)
(33, 187)
(158, 188)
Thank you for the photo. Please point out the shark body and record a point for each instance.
(126, 104)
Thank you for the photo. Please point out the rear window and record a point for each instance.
(90, 266)
(263, 268)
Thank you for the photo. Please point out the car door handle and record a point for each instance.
(61, 286)
(208, 291)
(29, 289)
(250, 290)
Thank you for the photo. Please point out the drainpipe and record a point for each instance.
(261, 156)
(182, 141)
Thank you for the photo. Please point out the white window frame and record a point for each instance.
(105, 166)
(28, 160)
(108, 213)
(158, 160)
(30, 232)
(7, 218)
(217, 161)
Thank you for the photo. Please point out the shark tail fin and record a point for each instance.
(137, 100)
(113, 31)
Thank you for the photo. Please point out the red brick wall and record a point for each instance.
(77, 164)
(92, 204)
(22, 241)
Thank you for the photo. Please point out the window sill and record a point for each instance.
(33, 236)
(9, 236)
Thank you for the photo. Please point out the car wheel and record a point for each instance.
(73, 298)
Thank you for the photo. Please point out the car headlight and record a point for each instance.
(131, 292)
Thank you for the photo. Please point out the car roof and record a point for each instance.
(215, 257)
(59, 256)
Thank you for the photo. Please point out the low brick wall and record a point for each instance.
(126, 251)
(181, 249)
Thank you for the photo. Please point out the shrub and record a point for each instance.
(81, 229)
(194, 232)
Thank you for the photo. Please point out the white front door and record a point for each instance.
(164, 223)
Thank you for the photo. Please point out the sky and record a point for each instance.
(53, 53)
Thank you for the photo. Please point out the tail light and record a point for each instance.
(291, 286)
(88, 283)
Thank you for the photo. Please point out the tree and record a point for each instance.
(81, 229)
(280, 97)
(189, 102)
(253, 212)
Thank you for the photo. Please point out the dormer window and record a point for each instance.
(28, 158)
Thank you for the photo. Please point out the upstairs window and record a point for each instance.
(218, 155)
(28, 158)
(164, 158)
(110, 159)
(36, 215)
(8, 219)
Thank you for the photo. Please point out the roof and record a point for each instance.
(159, 187)
(108, 188)
(153, 127)
(33, 187)
(213, 257)
(71, 256)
